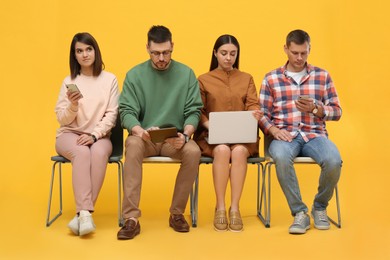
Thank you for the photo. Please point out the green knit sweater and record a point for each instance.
(160, 98)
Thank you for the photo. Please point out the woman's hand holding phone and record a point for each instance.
(73, 93)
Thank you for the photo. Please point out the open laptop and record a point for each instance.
(232, 127)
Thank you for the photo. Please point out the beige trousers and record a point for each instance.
(136, 150)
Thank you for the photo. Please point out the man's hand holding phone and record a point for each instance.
(305, 104)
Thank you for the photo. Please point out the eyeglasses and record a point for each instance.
(164, 53)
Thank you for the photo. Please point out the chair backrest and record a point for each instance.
(117, 138)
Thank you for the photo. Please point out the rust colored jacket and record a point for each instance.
(225, 91)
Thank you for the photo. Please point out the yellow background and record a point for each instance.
(349, 39)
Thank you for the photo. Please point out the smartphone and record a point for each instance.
(306, 97)
(73, 88)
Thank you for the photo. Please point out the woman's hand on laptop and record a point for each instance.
(258, 114)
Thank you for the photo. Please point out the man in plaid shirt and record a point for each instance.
(297, 100)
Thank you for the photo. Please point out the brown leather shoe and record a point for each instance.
(129, 230)
(179, 223)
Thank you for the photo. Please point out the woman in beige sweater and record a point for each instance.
(86, 114)
(225, 88)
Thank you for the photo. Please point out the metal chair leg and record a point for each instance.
(194, 202)
(338, 223)
(120, 177)
(262, 197)
(48, 220)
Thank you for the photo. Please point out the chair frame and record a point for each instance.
(116, 157)
(264, 196)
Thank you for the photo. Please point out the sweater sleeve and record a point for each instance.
(108, 121)
(252, 101)
(66, 112)
(129, 106)
(193, 103)
(203, 116)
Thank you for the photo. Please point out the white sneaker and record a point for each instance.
(86, 223)
(74, 225)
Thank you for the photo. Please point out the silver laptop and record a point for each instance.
(232, 127)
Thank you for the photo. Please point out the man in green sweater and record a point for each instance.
(156, 93)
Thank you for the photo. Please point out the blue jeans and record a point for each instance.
(326, 155)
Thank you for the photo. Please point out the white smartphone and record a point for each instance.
(73, 88)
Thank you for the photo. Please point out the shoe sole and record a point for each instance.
(180, 230)
(87, 231)
(220, 230)
(236, 230)
(298, 230)
(122, 237)
(322, 227)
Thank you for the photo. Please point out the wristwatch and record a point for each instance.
(315, 110)
(94, 138)
(186, 138)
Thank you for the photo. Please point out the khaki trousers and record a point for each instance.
(136, 150)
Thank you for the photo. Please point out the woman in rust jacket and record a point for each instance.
(226, 88)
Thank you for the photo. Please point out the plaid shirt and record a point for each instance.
(278, 95)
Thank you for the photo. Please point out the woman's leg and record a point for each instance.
(221, 171)
(80, 157)
(100, 152)
(237, 174)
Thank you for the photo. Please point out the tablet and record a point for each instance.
(161, 134)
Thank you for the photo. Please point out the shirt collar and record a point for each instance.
(309, 68)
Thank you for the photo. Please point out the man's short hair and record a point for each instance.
(298, 37)
(159, 34)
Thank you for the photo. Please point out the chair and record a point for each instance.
(264, 214)
(193, 198)
(116, 157)
(209, 160)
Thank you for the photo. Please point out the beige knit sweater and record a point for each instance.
(96, 112)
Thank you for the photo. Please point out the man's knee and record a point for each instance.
(333, 163)
(134, 146)
(191, 150)
(280, 155)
